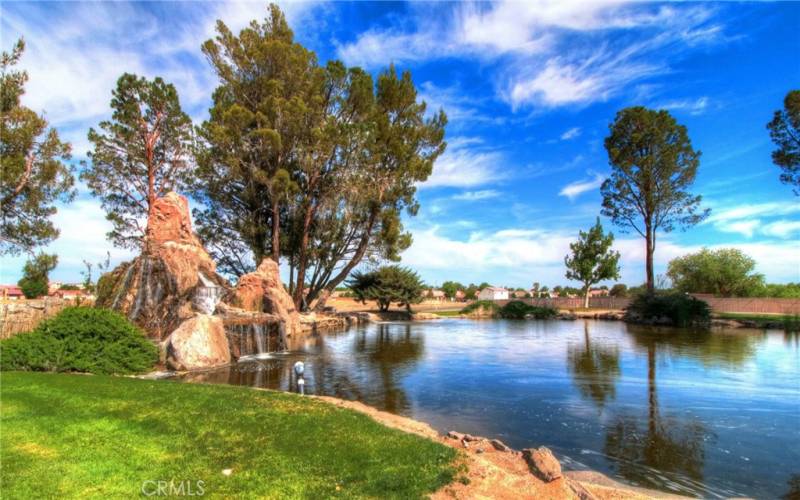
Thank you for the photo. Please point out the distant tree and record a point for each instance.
(450, 288)
(471, 292)
(139, 155)
(35, 282)
(387, 285)
(88, 281)
(652, 166)
(784, 129)
(619, 290)
(591, 259)
(33, 175)
(544, 292)
(775, 290)
(727, 272)
(483, 285)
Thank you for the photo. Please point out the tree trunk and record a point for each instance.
(302, 259)
(276, 231)
(650, 247)
(586, 297)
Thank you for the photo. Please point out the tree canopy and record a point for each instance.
(784, 129)
(33, 175)
(387, 285)
(312, 163)
(35, 282)
(653, 164)
(591, 259)
(726, 272)
(139, 155)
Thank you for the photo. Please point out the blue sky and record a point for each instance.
(529, 88)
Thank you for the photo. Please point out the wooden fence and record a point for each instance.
(753, 305)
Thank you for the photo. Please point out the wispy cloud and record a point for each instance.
(575, 189)
(464, 164)
(749, 219)
(483, 194)
(571, 134)
(696, 106)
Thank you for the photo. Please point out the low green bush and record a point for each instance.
(81, 339)
(487, 305)
(677, 309)
(516, 309)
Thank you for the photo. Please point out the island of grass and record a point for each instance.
(68, 436)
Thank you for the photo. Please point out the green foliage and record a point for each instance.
(387, 285)
(81, 339)
(727, 272)
(619, 290)
(33, 175)
(591, 259)
(487, 307)
(35, 282)
(517, 309)
(678, 309)
(779, 291)
(450, 288)
(107, 434)
(653, 164)
(139, 155)
(784, 129)
(313, 163)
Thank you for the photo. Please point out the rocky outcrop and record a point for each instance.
(262, 291)
(542, 463)
(172, 280)
(199, 342)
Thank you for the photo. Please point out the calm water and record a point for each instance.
(712, 415)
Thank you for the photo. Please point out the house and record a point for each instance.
(69, 294)
(493, 293)
(598, 292)
(519, 294)
(460, 296)
(11, 292)
(436, 294)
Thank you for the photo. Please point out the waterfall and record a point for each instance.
(260, 336)
(253, 339)
(207, 295)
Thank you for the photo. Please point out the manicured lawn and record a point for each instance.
(69, 436)
(756, 317)
(448, 314)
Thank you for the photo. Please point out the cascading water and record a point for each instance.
(255, 339)
(207, 296)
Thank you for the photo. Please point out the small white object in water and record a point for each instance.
(299, 368)
(301, 385)
(227, 472)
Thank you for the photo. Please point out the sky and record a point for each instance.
(529, 89)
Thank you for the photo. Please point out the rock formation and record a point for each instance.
(172, 280)
(262, 291)
(199, 342)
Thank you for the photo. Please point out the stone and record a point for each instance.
(499, 445)
(199, 342)
(542, 463)
(455, 435)
(173, 278)
(470, 438)
(262, 291)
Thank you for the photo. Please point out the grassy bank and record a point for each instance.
(82, 436)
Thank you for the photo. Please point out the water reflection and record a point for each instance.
(595, 369)
(704, 414)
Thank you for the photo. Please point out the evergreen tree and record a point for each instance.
(785, 132)
(33, 175)
(592, 260)
(35, 282)
(387, 285)
(652, 166)
(139, 155)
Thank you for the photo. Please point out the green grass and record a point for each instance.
(755, 317)
(448, 314)
(69, 436)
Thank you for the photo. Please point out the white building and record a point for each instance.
(493, 293)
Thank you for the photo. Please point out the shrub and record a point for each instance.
(386, 285)
(81, 339)
(678, 309)
(486, 306)
(517, 309)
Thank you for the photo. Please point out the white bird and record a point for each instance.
(299, 369)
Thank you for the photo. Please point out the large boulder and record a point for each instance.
(172, 280)
(542, 463)
(199, 342)
(262, 291)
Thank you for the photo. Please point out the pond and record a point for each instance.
(705, 414)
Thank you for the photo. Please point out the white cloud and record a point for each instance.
(782, 228)
(743, 227)
(571, 134)
(749, 219)
(484, 194)
(464, 166)
(575, 189)
(692, 106)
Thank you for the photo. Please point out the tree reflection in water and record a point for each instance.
(595, 369)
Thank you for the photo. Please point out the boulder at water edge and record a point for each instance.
(262, 291)
(542, 463)
(199, 342)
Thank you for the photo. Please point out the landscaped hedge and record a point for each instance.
(81, 339)
(483, 308)
(516, 309)
(673, 308)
